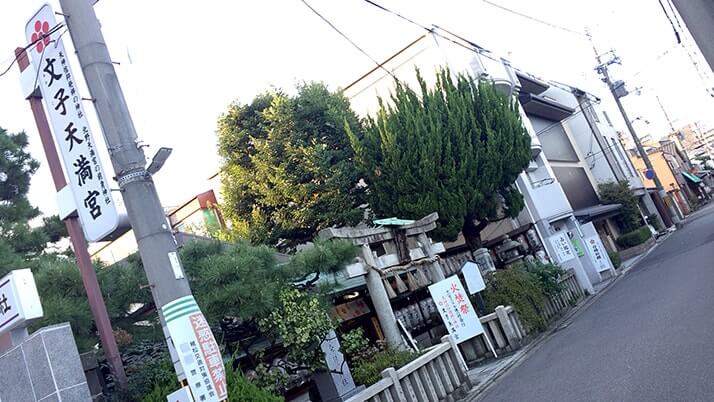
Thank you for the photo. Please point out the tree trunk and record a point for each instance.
(472, 232)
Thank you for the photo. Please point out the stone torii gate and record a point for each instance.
(394, 246)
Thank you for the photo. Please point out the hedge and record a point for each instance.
(634, 238)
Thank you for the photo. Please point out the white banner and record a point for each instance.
(197, 349)
(597, 253)
(63, 105)
(455, 309)
(563, 249)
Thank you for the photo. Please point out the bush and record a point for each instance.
(548, 277)
(520, 289)
(615, 258)
(239, 388)
(634, 238)
(368, 370)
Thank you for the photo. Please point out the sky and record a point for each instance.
(182, 63)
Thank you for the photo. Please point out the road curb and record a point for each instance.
(480, 389)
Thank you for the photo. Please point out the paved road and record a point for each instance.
(649, 338)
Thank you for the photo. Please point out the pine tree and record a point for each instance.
(456, 148)
(286, 170)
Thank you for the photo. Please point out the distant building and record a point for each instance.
(197, 217)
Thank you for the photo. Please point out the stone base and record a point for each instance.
(45, 367)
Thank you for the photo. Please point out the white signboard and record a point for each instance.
(563, 249)
(19, 300)
(182, 395)
(63, 105)
(197, 349)
(597, 253)
(455, 309)
(474, 280)
(340, 371)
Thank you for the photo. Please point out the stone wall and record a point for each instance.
(45, 367)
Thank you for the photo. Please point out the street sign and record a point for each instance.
(455, 309)
(19, 300)
(472, 275)
(649, 174)
(197, 349)
(63, 105)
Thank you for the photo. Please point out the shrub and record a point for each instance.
(520, 289)
(239, 388)
(367, 370)
(615, 258)
(548, 277)
(634, 238)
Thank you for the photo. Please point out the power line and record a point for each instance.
(42, 37)
(380, 65)
(470, 45)
(538, 20)
(676, 33)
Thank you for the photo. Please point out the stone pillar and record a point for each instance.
(380, 300)
(437, 273)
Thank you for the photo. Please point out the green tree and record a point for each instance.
(18, 240)
(286, 166)
(612, 192)
(455, 148)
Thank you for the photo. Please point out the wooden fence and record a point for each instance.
(566, 298)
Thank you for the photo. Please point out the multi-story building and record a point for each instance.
(549, 218)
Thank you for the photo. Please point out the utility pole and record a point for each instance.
(617, 89)
(157, 246)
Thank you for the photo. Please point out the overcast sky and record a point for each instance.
(183, 62)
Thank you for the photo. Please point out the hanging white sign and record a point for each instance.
(563, 249)
(63, 105)
(455, 309)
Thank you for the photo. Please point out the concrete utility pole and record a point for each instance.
(618, 90)
(157, 245)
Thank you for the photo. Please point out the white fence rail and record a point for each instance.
(438, 374)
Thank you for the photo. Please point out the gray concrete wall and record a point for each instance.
(45, 367)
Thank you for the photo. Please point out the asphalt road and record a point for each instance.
(650, 337)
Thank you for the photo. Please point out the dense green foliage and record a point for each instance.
(615, 258)
(520, 289)
(367, 370)
(162, 381)
(634, 238)
(18, 241)
(620, 193)
(455, 148)
(287, 166)
(526, 287)
(548, 276)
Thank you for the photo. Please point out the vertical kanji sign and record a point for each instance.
(455, 309)
(63, 105)
(197, 349)
(563, 248)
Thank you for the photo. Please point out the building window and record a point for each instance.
(607, 118)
